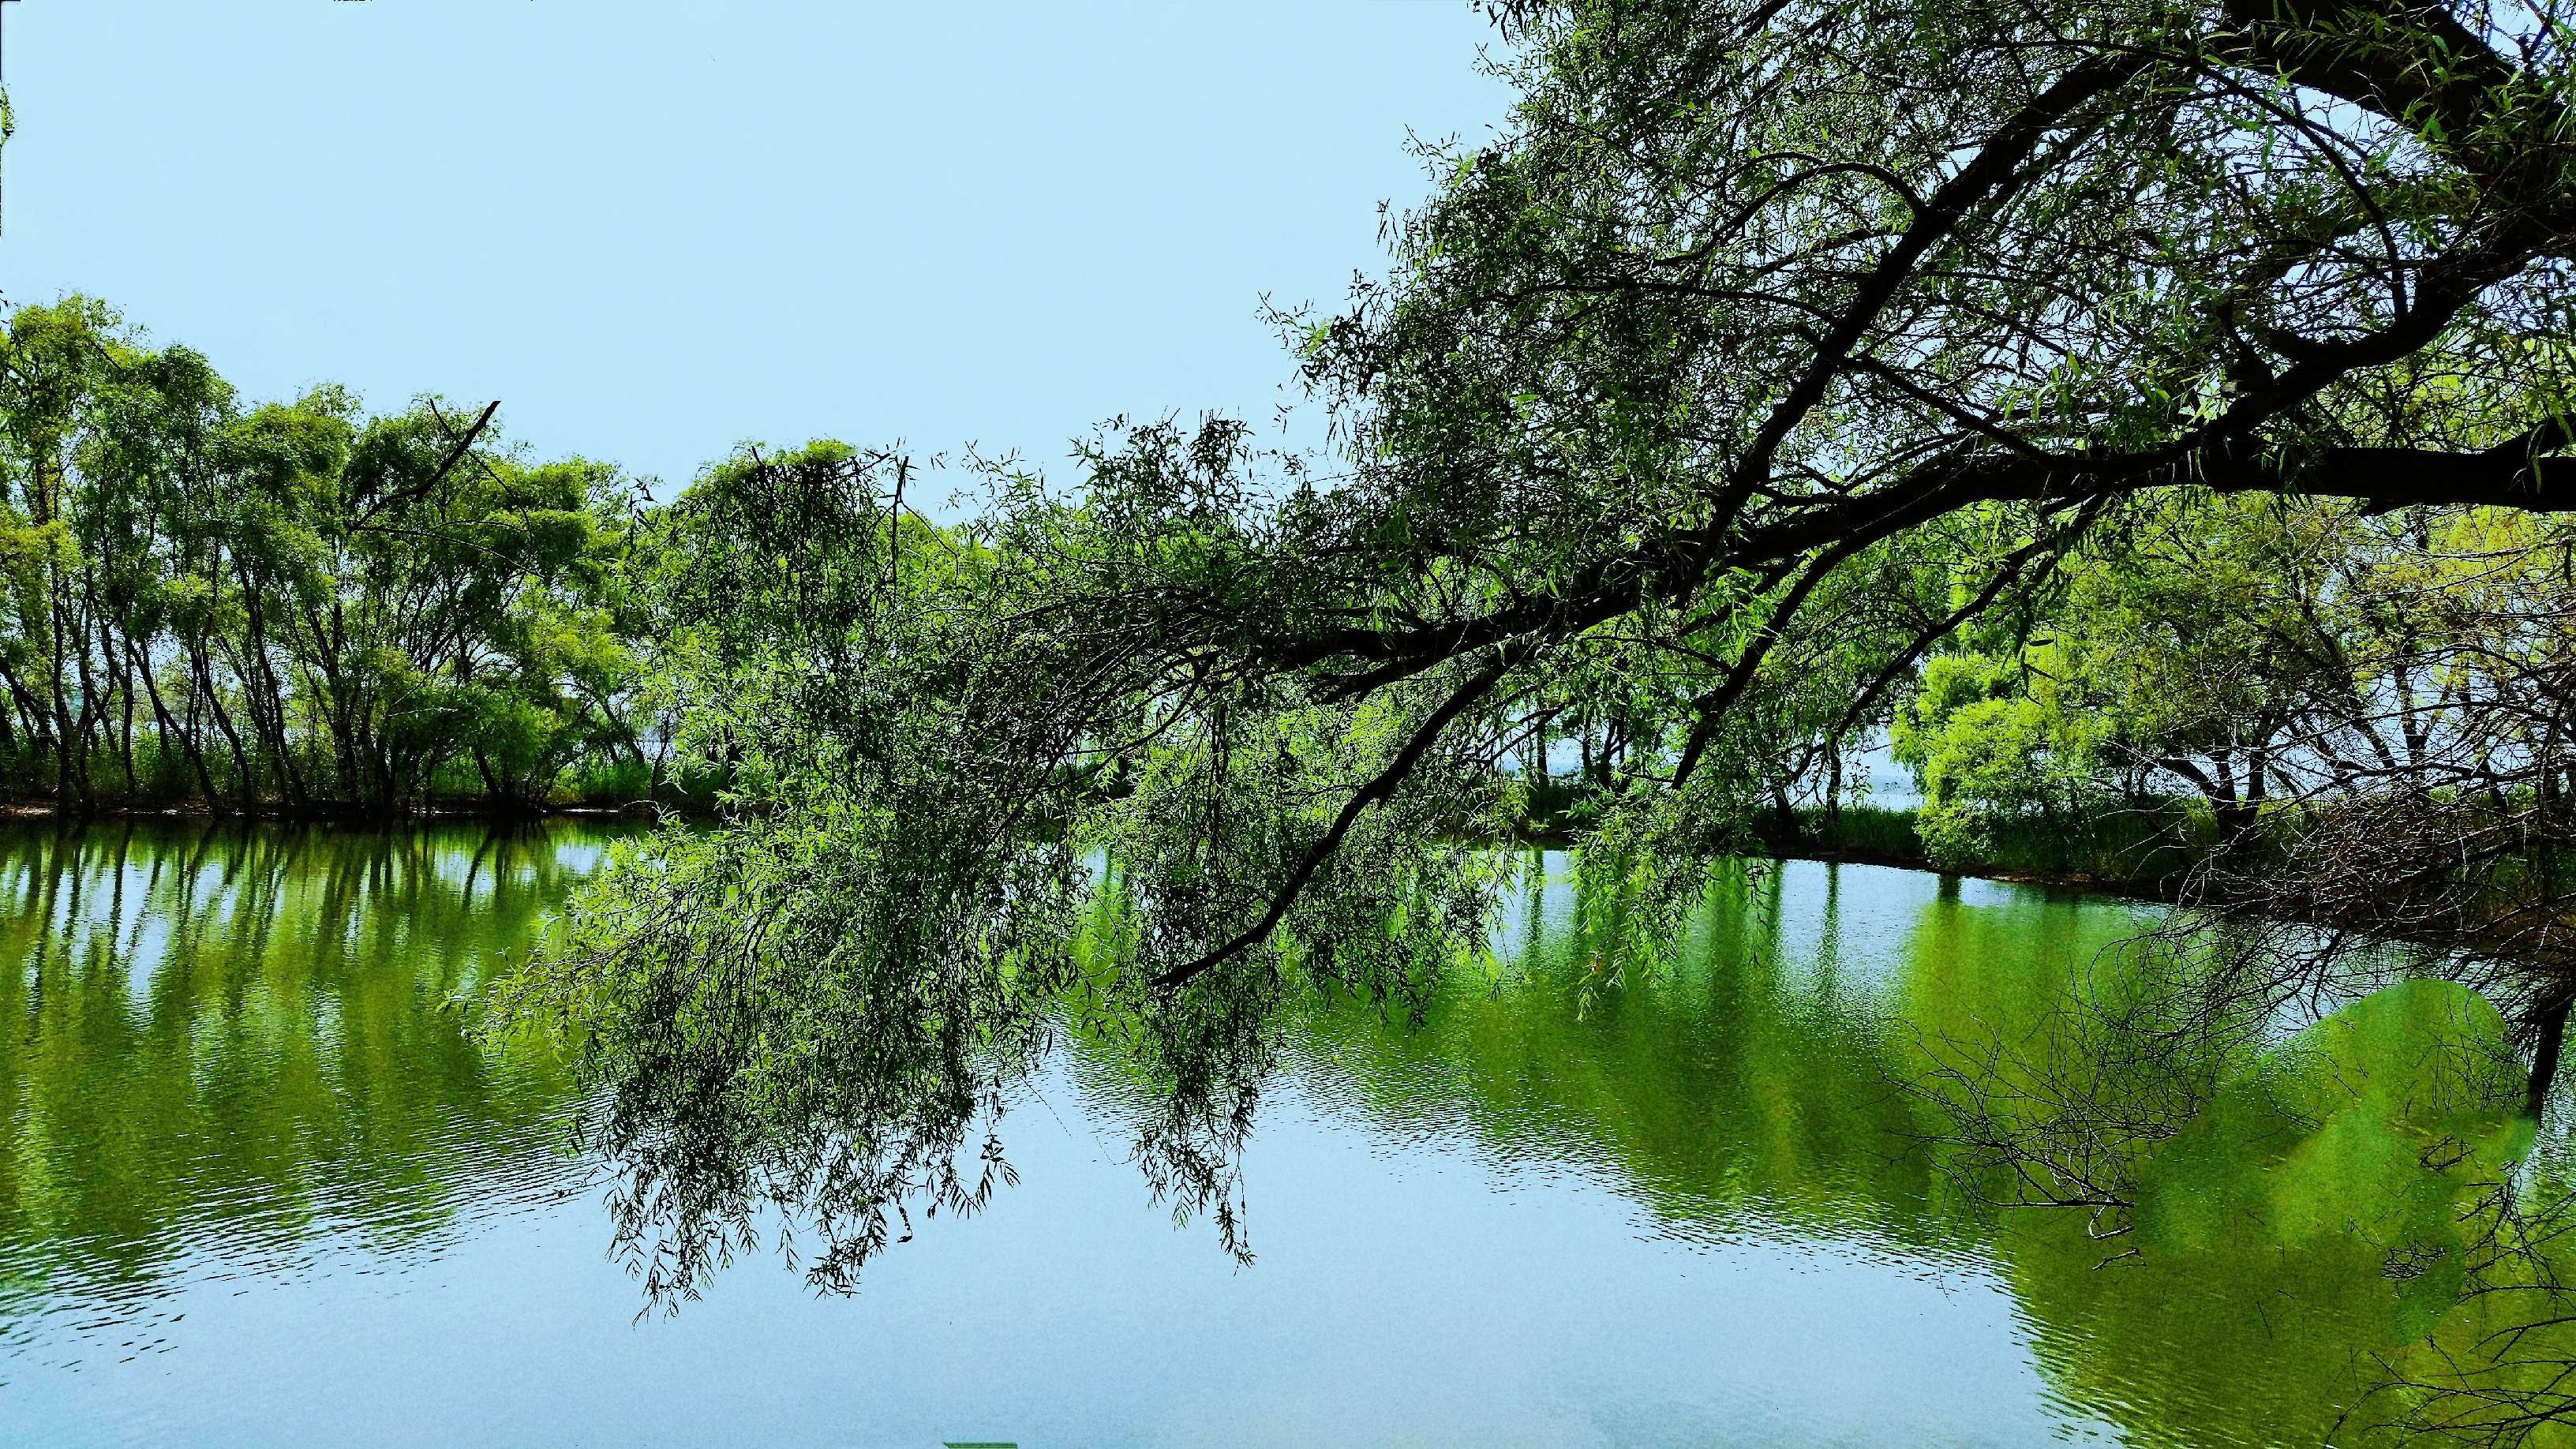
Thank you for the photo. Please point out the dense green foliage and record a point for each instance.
(1767, 354)
(295, 605)
(2251, 655)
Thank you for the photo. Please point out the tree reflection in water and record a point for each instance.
(2329, 1231)
(237, 1051)
(243, 1043)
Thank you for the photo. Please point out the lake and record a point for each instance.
(261, 1184)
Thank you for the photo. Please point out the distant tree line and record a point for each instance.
(299, 605)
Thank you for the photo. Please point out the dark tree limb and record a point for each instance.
(446, 465)
(1376, 790)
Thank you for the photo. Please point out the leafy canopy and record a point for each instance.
(1750, 312)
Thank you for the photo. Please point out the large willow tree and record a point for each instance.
(1752, 315)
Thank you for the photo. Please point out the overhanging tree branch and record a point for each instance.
(1383, 785)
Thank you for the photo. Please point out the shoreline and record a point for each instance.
(2085, 881)
(325, 815)
(648, 812)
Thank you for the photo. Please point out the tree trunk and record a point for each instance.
(168, 727)
(2544, 1053)
(1833, 783)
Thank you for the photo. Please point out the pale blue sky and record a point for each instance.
(653, 228)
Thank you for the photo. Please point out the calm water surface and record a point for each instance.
(258, 1186)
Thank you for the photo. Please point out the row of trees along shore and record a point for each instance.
(299, 606)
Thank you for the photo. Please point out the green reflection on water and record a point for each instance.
(2295, 1273)
(1750, 1078)
(232, 1040)
(229, 1046)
